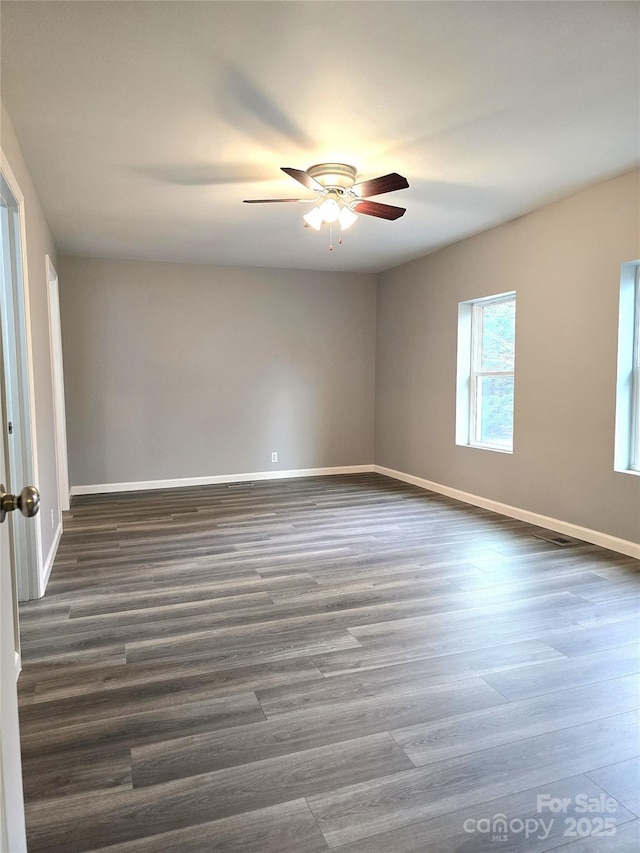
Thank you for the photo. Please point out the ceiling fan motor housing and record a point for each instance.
(330, 175)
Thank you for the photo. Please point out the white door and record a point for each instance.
(12, 828)
(14, 322)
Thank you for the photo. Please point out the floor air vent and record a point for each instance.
(239, 485)
(556, 538)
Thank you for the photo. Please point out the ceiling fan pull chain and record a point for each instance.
(331, 236)
(340, 236)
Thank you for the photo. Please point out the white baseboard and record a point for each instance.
(17, 660)
(181, 482)
(595, 537)
(48, 565)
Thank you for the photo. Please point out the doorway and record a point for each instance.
(57, 381)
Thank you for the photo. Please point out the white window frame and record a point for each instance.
(634, 454)
(468, 408)
(627, 432)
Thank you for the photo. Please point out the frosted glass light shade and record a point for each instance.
(314, 218)
(346, 218)
(330, 210)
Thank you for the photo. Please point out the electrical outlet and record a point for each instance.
(274, 457)
(52, 520)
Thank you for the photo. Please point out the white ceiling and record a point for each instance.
(145, 124)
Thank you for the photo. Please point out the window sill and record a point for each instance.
(627, 471)
(492, 447)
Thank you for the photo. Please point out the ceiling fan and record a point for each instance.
(339, 199)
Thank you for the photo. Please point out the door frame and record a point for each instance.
(57, 383)
(29, 550)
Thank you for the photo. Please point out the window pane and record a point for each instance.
(494, 401)
(498, 336)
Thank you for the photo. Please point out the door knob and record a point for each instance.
(28, 502)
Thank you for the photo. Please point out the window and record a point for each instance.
(486, 362)
(627, 438)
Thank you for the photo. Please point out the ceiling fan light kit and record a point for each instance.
(339, 198)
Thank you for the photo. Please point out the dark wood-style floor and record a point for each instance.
(341, 662)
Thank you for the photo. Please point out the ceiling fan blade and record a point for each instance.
(382, 211)
(302, 178)
(274, 200)
(384, 184)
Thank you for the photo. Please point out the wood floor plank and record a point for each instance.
(597, 639)
(609, 612)
(391, 679)
(364, 621)
(139, 624)
(213, 589)
(476, 637)
(291, 733)
(526, 682)
(412, 579)
(341, 606)
(471, 829)
(498, 614)
(208, 604)
(135, 729)
(514, 721)
(496, 568)
(131, 692)
(285, 828)
(369, 808)
(49, 661)
(77, 772)
(31, 614)
(626, 840)
(113, 817)
(622, 781)
(242, 648)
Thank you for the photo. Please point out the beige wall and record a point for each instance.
(178, 371)
(39, 243)
(564, 264)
